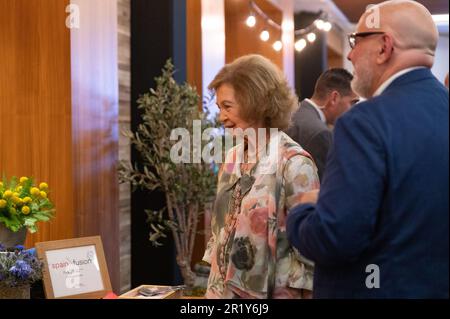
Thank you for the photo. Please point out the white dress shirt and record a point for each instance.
(318, 109)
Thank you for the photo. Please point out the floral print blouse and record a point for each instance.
(249, 253)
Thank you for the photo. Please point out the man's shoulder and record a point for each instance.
(399, 94)
(308, 108)
(362, 111)
(307, 118)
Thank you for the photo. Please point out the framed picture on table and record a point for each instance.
(74, 268)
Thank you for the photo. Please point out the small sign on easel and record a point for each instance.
(74, 268)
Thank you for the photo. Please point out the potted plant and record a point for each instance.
(22, 204)
(19, 268)
(188, 187)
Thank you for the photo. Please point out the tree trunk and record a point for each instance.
(186, 272)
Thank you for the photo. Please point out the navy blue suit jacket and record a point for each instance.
(384, 198)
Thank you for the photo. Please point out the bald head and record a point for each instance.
(409, 22)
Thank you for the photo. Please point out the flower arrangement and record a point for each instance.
(19, 267)
(23, 203)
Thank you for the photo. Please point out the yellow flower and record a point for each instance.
(43, 186)
(7, 194)
(1, 184)
(23, 179)
(19, 189)
(43, 194)
(34, 191)
(17, 200)
(27, 200)
(3, 203)
(16, 194)
(25, 210)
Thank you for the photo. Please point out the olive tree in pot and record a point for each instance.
(189, 187)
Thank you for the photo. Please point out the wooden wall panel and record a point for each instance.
(35, 104)
(334, 59)
(59, 114)
(194, 44)
(242, 40)
(95, 127)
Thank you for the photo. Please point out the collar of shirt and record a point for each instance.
(318, 109)
(389, 81)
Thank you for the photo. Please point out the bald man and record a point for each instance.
(379, 228)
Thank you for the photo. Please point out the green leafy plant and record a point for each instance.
(188, 187)
(23, 203)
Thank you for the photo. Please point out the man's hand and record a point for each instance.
(310, 197)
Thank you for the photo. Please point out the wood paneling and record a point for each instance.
(95, 127)
(334, 59)
(35, 104)
(59, 114)
(194, 44)
(242, 40)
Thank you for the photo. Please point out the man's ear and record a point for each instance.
(334, 97)
(386, 50)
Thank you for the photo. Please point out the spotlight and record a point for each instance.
(311, 37)
(327, 26)
(277, 45)
(265, 35)
(319, 24)
(300, 45)
(251, 21)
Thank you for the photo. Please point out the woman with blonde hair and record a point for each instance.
(249, 253)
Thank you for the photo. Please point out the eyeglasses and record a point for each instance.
(352, 37)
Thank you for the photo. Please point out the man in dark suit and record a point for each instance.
(332, 97)
(380, 227)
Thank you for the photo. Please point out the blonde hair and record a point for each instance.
(260, 89)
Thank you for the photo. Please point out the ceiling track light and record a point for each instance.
(327, 26)
(311, 37)
(251, 21)
(306, 34)
(300, 45)
(265, 35)
(277, 45)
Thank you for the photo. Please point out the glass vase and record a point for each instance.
(8, 238)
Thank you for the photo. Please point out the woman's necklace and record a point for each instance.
(245, 165)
